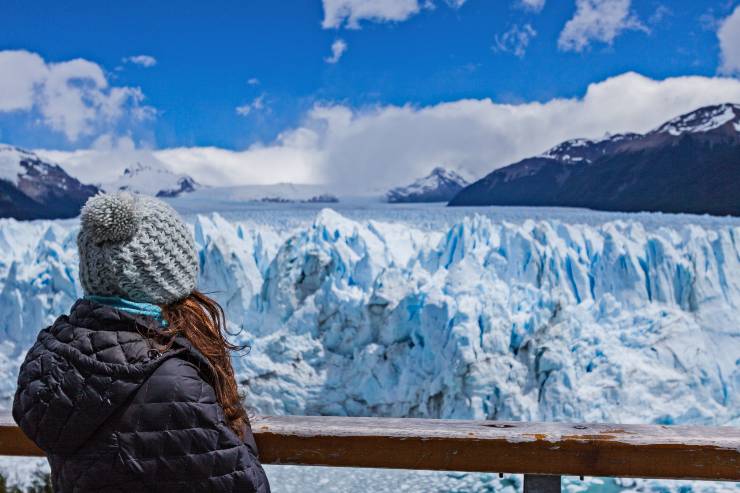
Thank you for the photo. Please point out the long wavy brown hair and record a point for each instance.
(202, 321)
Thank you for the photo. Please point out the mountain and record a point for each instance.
(31, 188)
(439, 186)
(689, 164)
(153, 179)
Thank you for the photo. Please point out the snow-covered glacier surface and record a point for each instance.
(490, 316)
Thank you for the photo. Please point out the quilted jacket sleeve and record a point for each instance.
(173, 436)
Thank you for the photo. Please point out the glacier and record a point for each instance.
(484, 316)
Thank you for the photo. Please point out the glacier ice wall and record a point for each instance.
(536, 320)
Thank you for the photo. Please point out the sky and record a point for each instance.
(357, 93)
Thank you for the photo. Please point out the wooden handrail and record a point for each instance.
(644, 451)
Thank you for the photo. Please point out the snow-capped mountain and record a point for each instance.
(724, 116)
(154, 179)
(31, 188)
(689, 164)
(439, 186)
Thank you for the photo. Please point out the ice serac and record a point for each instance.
(537, 320)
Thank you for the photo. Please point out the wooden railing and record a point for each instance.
(541, 451)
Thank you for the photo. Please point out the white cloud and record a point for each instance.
(597, 20)
(534, 5)
(71, 97)
(338, 47)
(18, 92)
(729, 43)
(294, 157)
(515, 40)
(660, 13)
(254, 81)
(288, 160)
(256, 104)
(349, 13)
(374, 148)
(143, 60)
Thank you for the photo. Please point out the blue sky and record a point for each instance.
(272, 59)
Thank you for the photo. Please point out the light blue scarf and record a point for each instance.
(128, 306)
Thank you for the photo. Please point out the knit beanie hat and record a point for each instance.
(135, 247)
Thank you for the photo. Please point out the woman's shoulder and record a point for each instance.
(184, 359)
(178, 379)
(179, 366)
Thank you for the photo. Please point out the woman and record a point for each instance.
(134, 389)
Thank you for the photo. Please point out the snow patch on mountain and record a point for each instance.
(564, 151)
(17, 164)
(576, 151)
(703, 120)
(10, 163)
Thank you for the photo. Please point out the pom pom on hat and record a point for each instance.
(110, 217)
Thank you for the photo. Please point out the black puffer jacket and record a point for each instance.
(114, 414)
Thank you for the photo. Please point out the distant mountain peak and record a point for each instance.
(442, 173)
(703, 120)
(137, 168)
(152, 178)
(32, 188)
(440, 185)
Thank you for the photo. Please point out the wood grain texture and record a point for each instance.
(13, 441)
(645, 451)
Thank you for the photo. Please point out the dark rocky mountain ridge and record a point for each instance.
(689, 164)
(31, 188)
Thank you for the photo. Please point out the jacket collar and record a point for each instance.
(130, 306)
(89, 314)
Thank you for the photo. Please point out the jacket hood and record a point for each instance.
(82, 369)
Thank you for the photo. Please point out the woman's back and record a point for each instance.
(122, 399)
(115, 414)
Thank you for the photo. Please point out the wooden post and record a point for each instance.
(541, 483)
